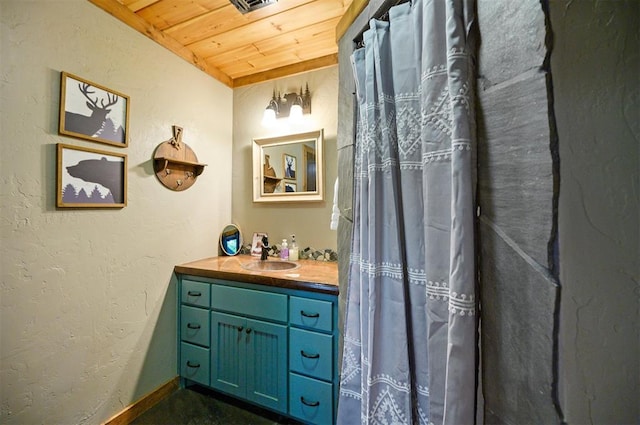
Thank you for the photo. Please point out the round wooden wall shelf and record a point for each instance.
(175, 163)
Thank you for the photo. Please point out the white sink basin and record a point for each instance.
(270, 266)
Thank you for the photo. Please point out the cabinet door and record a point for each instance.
(267, 364)
(228, 353)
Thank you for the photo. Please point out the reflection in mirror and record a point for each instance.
(231, 239)
(288, 168)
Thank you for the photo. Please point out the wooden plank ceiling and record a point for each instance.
(284, 38)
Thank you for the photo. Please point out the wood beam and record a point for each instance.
(355, 8)
(298, 68)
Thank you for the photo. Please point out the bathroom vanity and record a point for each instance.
(266, 337)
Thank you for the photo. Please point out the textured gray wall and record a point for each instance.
(516, 181)
(596, 84)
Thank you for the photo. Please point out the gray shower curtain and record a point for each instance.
(410, 329)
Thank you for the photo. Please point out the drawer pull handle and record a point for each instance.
(312, 315)
(309, 356)
(192, 364)
(193, 326)
(310, 404)
(240, 328)
(194, 293)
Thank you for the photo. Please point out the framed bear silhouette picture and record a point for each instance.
(89, 178)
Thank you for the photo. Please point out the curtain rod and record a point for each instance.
(382, 14)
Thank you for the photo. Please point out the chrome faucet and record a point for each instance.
(265, 248)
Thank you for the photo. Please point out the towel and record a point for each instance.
(335, 213)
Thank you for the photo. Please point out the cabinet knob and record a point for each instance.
(309, 403)
(240, 328)
(193, 326)
(312, 315)
(248, 330)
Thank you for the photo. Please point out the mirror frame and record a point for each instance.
(258, 178)
(240, 241)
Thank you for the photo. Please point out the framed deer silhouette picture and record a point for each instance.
(289, 166)
(92, 112)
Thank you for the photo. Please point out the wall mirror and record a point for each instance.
(289, 168)
(231, 239)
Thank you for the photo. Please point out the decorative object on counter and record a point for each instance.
(291, 105)
(257, 244)
(299, 157)
(175, 163)
(93, 112)
(231, 239)
(89, 178)
(308, 253)
(314, 254)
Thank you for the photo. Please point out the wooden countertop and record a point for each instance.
(315, 276)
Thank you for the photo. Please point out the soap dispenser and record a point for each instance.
(284, 250)
(293, 250)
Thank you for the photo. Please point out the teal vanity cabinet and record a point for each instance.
(272, 344)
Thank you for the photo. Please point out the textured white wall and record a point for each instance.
(87, 297)
(308, 221)
(596, 66)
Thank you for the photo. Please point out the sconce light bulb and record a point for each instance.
(295, 113)
(269, 117)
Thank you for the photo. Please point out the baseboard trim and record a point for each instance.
(145, 403)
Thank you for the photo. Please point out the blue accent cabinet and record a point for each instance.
(272, 346)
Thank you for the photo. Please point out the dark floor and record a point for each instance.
(200, 406)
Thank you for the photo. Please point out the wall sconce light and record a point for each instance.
(291, 105)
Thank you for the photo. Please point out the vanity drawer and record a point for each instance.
(313, 314)
(194, 325)
(194, 363)
(249, 302)
(195, 293)
(310, 353)
(310, 400)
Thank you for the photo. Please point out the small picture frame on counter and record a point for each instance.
(256, 243)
